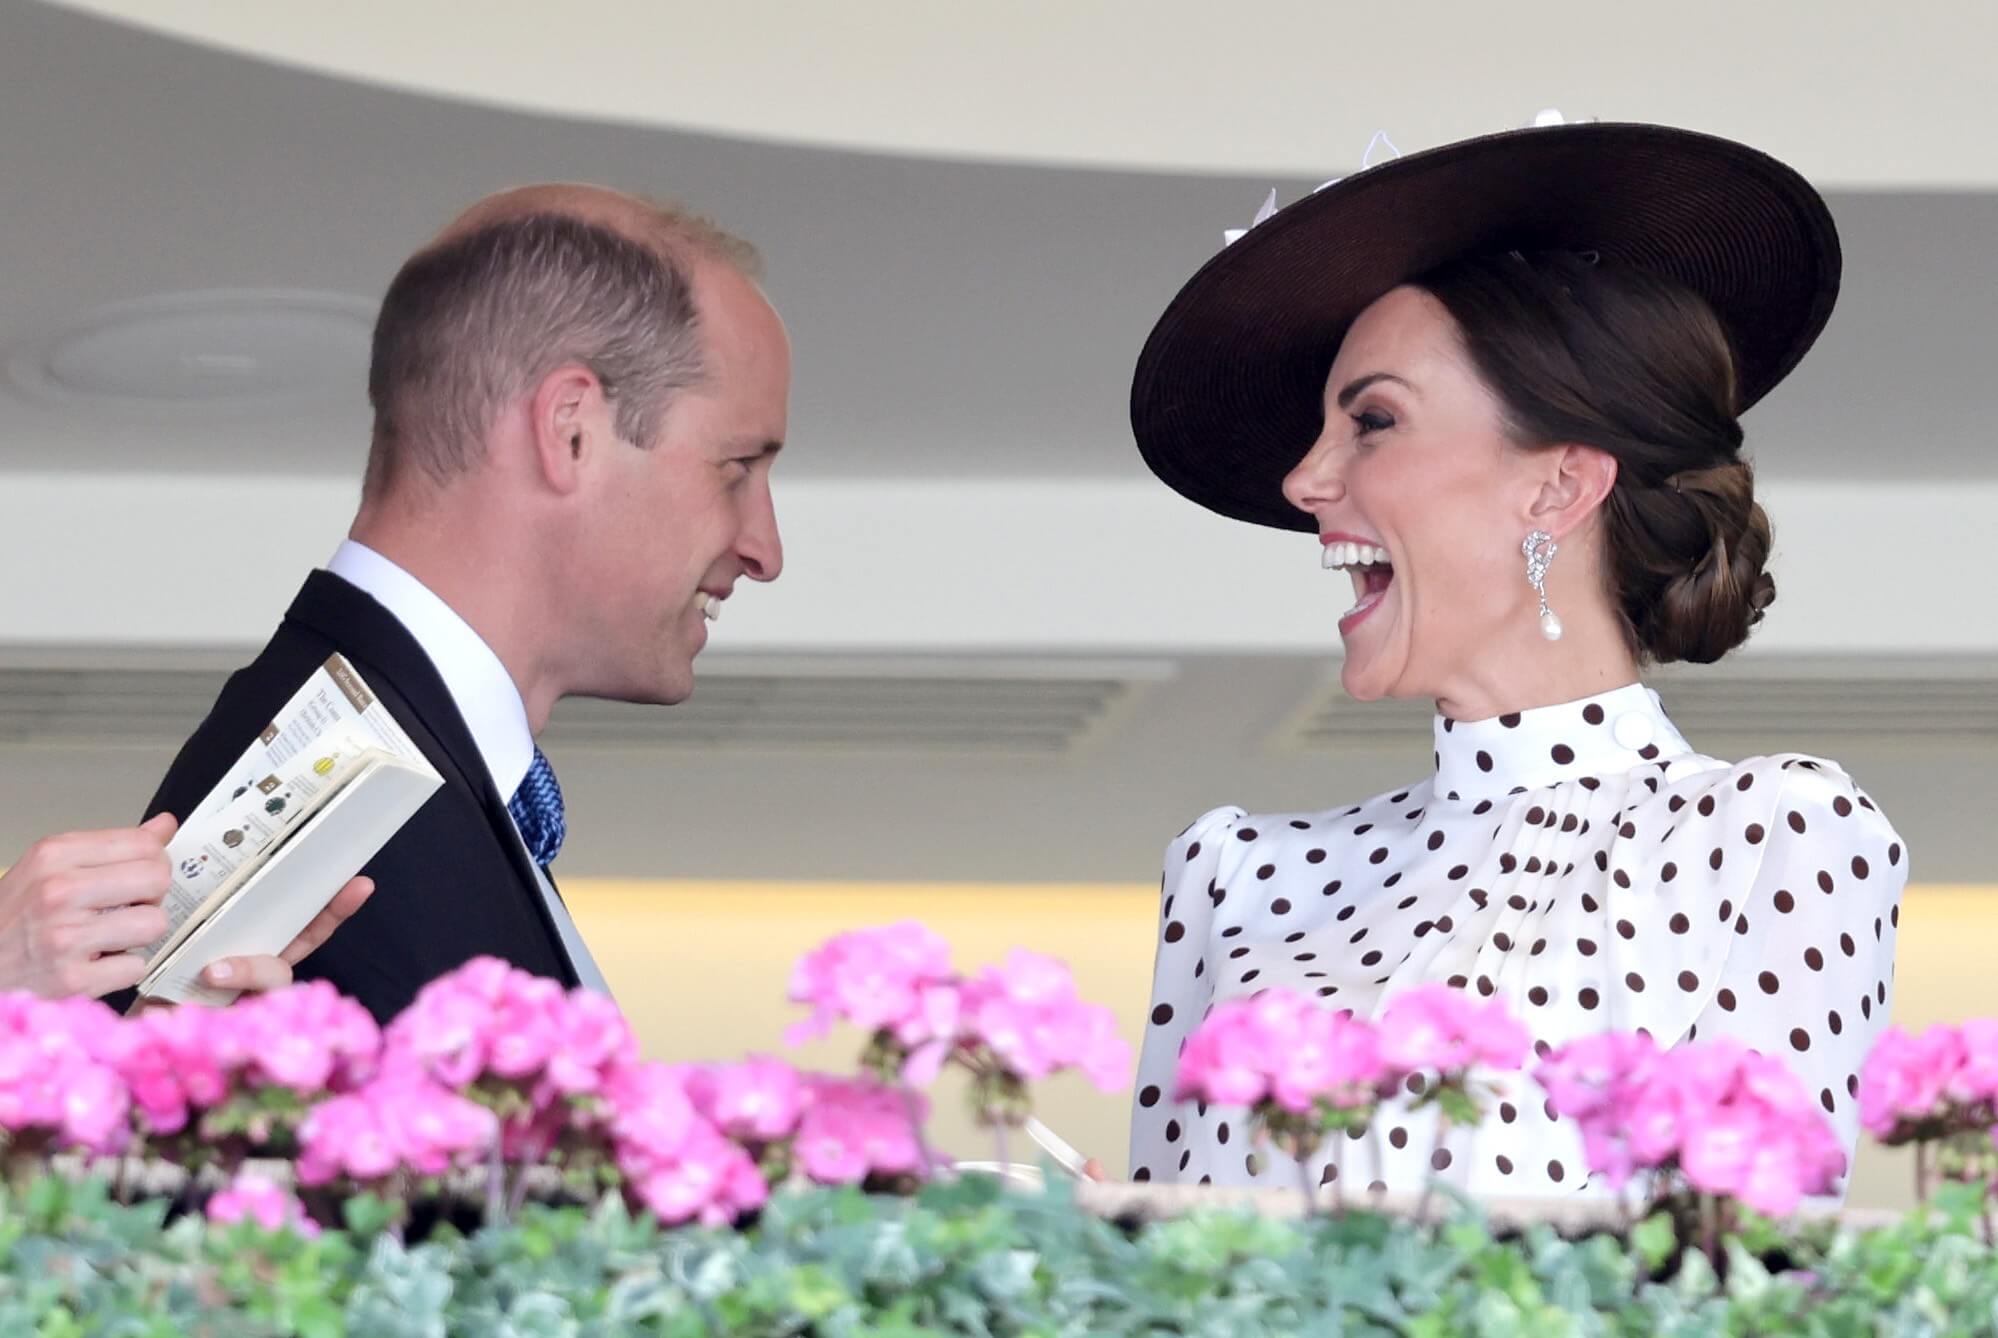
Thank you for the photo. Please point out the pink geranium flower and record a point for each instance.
(1280, 1046)
(1438, 1029)
(1027, 1014)
(258, 1199)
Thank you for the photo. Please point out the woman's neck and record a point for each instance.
(1523, 670)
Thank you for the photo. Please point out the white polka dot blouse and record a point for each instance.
(1579, 862)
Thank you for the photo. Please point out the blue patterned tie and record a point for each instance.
(537, 810)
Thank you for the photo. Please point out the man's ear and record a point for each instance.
(565, 415)
(1572, 483)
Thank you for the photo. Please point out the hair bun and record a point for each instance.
(1716, 541)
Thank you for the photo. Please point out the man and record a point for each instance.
(76, 909)
(578, 396)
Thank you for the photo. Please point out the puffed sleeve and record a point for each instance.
(1182, 987)
(1810, 976)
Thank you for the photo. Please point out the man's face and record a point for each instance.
(674, 527)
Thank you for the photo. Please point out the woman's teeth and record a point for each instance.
(1344, 556)
(1369, 567)
(710, 607)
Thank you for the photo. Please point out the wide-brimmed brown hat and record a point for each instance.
(1228, 391)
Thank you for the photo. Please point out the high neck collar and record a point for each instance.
(1603, 735)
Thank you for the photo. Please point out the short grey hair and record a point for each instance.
(474, 321)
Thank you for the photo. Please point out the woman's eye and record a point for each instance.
(1371, 420)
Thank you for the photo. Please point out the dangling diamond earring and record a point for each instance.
(1539, 550)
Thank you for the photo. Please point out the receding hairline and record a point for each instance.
(678, 233)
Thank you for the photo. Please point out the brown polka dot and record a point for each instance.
(1380, 853)
(1796, 821)
(1825, 1100)
(1398, 1137)
(1267, 872)
(1281, 906)
(1161, 1015)
(1706, 806)
(1714, 860)
(1814, 959)
(1635, 982)
(1800, 1040)
(1484, 761)
(1586, 946)
(1767, 980)
(1221, 1132)
(1440, 1159)
(1836, 1023)
(1726, 1000)
(1726, 910)
(1193, 852)
(1372, 958)
(1785, 902)
(1668, 873)
(1679, 924)
(1184, 1158)
(1172, 1131)
(1621, 878)
(1688, 981)
(1504, 1164)
(1588, 998)
(1626, 928)
(1331, 889)
(1537, 996)
(1846, 945)
(1142, 1174)
(1556, 1172)
(1593, 713)
(1859, 868)
(1149, 1097)
(1842, 806)
(1175, 932)
(1314, 857)
(1329, 1174)
(1754, 834)
(1245, 834)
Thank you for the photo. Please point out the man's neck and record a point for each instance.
(460, 563)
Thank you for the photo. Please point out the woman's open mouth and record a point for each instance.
(1370, 570)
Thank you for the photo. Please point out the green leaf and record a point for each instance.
(1653, 1240)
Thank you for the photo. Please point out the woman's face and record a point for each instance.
(1414, 461)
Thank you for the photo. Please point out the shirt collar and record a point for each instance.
(480, 687)
(1604, 735)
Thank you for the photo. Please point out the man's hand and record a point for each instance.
(75, 906)
(274, 973)
(76, 909)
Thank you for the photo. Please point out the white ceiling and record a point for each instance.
(950, 319)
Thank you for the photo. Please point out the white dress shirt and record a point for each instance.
(481, 689)
(1580, 863)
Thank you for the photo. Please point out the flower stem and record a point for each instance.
(1429, 1181)
(928, 1158)
(495, 1185)
(1300, 1151)
(1922, 1171)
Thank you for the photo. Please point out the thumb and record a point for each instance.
(161, 826)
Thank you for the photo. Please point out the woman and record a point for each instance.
(1500, 382)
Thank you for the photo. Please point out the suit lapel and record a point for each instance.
(392, 662)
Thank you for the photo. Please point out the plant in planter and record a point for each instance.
(1009, 1025)
(1939, 1092)
(1712, 1119)
(1306, 1072)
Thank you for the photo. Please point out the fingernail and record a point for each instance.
(221, 972)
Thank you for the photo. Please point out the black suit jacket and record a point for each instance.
(455, 882)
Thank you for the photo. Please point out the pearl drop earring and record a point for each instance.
(1539, 550)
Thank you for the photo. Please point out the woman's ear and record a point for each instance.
(1574, 481)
